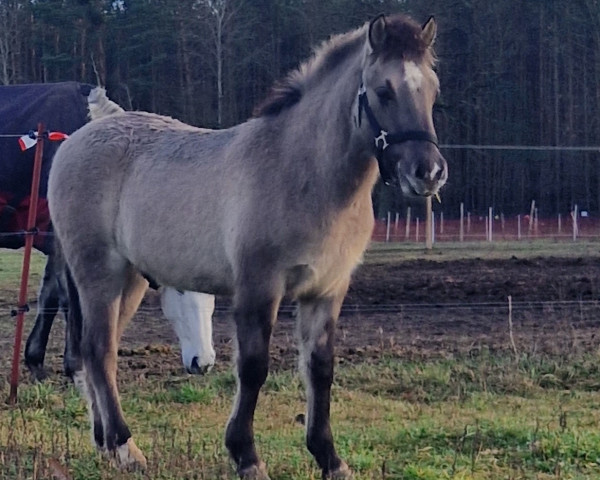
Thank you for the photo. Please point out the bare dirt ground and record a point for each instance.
(411, 310)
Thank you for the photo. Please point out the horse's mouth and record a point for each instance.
(409, 190)
(407, 187)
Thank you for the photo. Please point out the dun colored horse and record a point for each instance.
(280, 204)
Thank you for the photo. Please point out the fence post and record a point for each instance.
(428, 224)
(417, 230)
(29, 237)
(387, 228)
(559, 224)
(519, 226)
(407, 233)
(531, 214)
(575, 228)
(461, 234)
(490, 224)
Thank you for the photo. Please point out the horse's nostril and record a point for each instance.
(194, 367)
(421, 172)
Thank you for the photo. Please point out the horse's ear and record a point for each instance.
(429, 31)
(377, 33)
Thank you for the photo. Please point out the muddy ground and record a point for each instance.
(407, 310)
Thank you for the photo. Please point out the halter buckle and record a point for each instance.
(382, 137)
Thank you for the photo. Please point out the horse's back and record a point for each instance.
(136, 170)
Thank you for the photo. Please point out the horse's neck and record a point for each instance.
(338, 154)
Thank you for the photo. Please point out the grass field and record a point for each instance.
(446, 416)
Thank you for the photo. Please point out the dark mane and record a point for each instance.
(404, 40)
(326, 57)
(284, 93)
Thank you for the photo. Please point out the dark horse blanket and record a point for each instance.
(62, 107)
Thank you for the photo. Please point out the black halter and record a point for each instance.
(383, 139)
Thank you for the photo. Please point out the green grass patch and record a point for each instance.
(460, 418)
(447, 251)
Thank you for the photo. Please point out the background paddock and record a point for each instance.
(429, 384)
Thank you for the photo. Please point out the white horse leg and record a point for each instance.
(316, 328)
(190, 313)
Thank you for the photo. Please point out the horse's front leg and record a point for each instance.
(254, 318)
(316, 328)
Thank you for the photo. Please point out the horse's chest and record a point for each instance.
(344, 242)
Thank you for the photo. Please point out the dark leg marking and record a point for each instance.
(254, 320)
(49, 303)
(317, 322)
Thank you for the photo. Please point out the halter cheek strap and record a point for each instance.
(383, 139)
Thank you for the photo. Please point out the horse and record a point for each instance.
(277, 205)
(66, 107)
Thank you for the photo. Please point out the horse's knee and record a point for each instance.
(253, 368)
(321, 365)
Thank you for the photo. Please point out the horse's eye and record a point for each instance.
(384, 94)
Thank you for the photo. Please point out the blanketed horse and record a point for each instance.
(280, 204)
(66, 107)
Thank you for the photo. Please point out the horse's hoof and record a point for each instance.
(254, 472)
(129, 457)
(71, 366)
(343, 472)
(37, 371)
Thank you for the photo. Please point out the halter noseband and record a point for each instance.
(383, 139)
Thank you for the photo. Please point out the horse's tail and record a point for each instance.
(100, 105)
(72, 359)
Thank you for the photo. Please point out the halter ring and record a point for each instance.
(382, 137)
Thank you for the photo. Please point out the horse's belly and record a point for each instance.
(185, 254)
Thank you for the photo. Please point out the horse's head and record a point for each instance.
(395, 104)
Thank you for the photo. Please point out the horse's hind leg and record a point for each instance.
(316, 328)
(254, 318)
(101, 300)
(131, 297)
(48, 306)
(76, 370)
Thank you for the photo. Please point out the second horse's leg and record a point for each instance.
(48, 306)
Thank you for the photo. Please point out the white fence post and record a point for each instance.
(491, 222)
(461, 234)
(417, 230)
(387, 228)
(574, 214)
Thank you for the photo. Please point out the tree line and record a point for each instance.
(524, 72)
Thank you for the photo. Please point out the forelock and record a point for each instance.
(404, 39)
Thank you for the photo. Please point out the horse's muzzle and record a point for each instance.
(421, 169)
